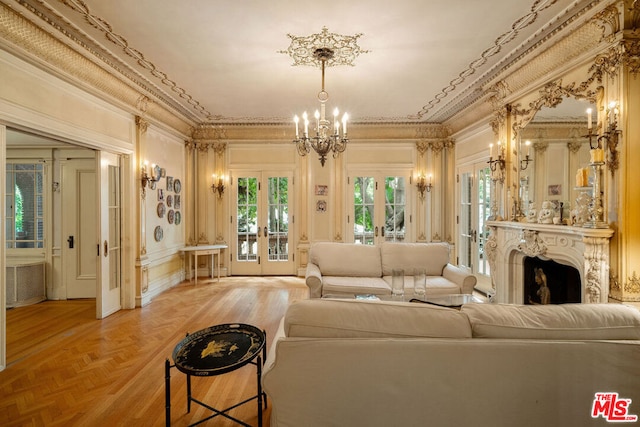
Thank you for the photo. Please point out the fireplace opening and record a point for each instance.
(549, 282)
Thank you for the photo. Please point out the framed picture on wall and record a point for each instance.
(321, 206)
(555, 190)
(322, 190)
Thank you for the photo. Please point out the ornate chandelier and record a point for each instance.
(324, 49)
(327, 138)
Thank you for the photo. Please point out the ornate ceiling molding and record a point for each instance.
(500, 42)
(345, 49)
(28, 41)
(122, 43)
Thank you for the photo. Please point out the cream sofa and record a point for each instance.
(378, 363)
(348, 268)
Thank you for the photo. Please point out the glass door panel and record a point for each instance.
(379, 206)
(484, 210)
(247, 219)
(262, 224)
(394, 209)
(363, 206)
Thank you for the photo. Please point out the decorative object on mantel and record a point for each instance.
(545, 216)
(326, 50)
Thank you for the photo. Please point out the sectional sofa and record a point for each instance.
(378, 363)
(349, 268)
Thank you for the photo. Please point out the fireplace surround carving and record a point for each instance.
(585, 249)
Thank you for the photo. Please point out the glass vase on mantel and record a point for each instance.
(596, 208)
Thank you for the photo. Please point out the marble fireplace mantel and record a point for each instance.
(586, 249)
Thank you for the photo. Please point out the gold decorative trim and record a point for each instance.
(633, 285)
(422, 147)
(142, 124)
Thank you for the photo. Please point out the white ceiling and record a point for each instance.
(219, 61)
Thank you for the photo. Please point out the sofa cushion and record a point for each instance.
(346, 259)
(433, 257)
(562, 322)
(324, 318)
(354, 285)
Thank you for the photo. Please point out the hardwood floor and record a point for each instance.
(65, 368)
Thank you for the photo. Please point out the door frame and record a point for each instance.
(476, 234)
(379, 175)
(262, 174)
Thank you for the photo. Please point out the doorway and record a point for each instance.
(474, 209)
(379, 208)
(261, 217)
(79, 227)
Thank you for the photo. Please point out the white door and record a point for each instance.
(79, 225)
(474, 209)
(379, 207)
(261, 223)
(109, 301)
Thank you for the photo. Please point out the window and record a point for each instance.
(24, 204)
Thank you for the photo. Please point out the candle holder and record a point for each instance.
(498, 165)
(524, 163)
(423, 185)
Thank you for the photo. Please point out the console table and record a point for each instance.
(211, 250)
(214, 351)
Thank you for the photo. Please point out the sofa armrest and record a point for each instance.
(313, 279)
(460, 277)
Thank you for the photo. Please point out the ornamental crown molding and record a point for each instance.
(61, 57)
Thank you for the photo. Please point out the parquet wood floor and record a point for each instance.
(65, 368)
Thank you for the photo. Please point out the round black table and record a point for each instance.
(214, 351)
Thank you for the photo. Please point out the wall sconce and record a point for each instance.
(497, 164)
(217, 185)
(145, 178)
(423, 185)
(610, 136)
(525, 162)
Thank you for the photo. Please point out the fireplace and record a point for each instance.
(574, 259)
(549, 282)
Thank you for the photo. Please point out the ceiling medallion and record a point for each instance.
(303, 49)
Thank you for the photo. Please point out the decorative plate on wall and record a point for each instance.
(178, 218)
(171, 216)
(169, 200)
(157, 172)
(158, 234)
(177, 186)
(161, 210)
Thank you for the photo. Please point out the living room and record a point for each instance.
(87, 83)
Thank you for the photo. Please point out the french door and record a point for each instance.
(379, 209)
(474, 209)
(261, 223)
(109, 295)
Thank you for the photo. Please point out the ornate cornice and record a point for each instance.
(34, 44)
(498, 45)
